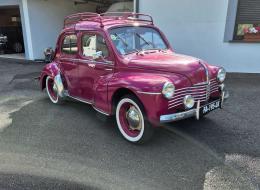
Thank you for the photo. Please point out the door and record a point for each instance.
(95, 63)
(69, 67)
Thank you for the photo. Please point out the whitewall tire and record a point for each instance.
(131, 120)
(52, 90)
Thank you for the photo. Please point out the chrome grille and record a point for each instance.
(200, 92)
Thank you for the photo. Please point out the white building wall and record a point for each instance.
(197, 28)
(46, 21)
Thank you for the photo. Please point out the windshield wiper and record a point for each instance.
(142, 38)
(122, 40)
(126, 44)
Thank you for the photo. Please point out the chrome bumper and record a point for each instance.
(190, 113)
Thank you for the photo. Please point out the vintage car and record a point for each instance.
(3, 43)
(123, 66)
(14, 40)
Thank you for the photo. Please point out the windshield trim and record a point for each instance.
(168, 47)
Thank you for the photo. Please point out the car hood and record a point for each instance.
(171, 62)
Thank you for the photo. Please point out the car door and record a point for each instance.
(91, 67)
(69, 67)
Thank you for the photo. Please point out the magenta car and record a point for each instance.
(123, 65)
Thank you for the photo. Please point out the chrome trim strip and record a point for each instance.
(86, 61)
(100, 111)
(201, 99)
(181, 99)
(78, 99)
(68, 59)
(177, 116)
(191, 93)
(214, 88)
(214, 85)
(206, 71)
(193, 90)
(95, 62)
(149, 93)
(89, 103)
(214, 91)
(214, 81)
(175, 106)
(190, 87)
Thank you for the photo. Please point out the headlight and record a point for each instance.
(189, 102)
(168, 90)
(221, 75)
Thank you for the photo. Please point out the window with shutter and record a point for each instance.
(247, 26)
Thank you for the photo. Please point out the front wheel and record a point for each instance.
(52, 90)
(131, 120)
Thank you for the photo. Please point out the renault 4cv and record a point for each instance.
(124, 66)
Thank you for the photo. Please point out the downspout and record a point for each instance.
(136, 6)
(27, 30)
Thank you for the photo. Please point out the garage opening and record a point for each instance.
(101, 6)
(11, 36)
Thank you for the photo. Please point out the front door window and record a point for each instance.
(93, 44)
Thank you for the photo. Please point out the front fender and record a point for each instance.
(147, 87)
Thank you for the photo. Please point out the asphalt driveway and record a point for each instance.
(70, 146)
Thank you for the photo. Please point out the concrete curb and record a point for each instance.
(18, 61)
(243, 75)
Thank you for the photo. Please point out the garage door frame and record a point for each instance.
(23, 8)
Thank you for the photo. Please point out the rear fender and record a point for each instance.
(51, 70)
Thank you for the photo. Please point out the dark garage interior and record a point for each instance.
(11, 36)
(109, 5)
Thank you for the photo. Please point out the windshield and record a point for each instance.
(135, 39)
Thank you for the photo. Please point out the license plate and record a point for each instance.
(210, 107)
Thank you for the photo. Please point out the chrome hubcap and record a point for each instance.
(134, 119)
(55, 89)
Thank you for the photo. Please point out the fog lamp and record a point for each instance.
(189, 102)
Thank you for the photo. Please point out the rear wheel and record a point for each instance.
(52, 90)
(131, 120)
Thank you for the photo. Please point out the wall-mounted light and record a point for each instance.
(15, 19)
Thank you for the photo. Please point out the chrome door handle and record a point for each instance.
(91, 65)
(109, 69)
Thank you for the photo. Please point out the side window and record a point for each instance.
(92, 44)
(66, 45)
(73, 44)
(69, 45)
